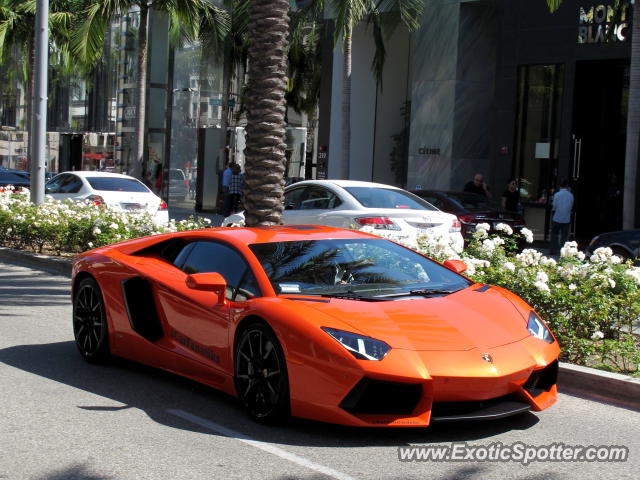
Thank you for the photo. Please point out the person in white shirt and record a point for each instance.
(561, 220)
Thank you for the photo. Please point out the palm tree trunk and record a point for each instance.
(633, 127)
(265, 151)
(346, 106)
(137, 169)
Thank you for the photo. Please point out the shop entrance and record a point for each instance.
(596, 170)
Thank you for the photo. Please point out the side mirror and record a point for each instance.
(208, 282)
(457, 266)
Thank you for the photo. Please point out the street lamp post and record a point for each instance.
(39, 103)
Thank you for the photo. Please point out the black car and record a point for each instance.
(624, 243)
(17, 178)
(471, 209)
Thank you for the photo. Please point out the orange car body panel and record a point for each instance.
(437, 342)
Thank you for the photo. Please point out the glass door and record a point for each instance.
(536, 143)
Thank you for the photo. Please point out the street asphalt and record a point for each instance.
(65, 419)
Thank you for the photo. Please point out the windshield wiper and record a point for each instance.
(352, 296)
(422, 292)
(431, 291)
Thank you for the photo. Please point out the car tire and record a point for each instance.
(261, 378)
(90, 328)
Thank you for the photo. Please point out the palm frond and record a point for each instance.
(553, 5)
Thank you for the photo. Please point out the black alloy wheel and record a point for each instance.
(90, 322)
(261, 374)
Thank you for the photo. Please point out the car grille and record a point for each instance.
(378, 397)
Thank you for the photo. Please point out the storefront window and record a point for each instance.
(537, 130)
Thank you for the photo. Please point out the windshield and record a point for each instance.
(115, 184)
(368, 267)
(375, 197)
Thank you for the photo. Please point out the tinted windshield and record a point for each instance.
(374, 197)
(115, 184)
(372, 267)
(473, 201)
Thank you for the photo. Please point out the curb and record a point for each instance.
(599, 385)
(57, 265)
(590, 383)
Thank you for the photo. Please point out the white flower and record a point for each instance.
(503, 227)
(612, 283)
(597, 335)
(542, 277)
(543, 287)
(634, 273)
(113, 226)
(548, 262)
(482, 230)
(509, 266)
(572, 286)
(527, 234)
(90, 244)
(97, 231)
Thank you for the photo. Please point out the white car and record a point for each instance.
(120, 191)
(354, 204)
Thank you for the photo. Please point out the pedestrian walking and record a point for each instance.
(561, 220)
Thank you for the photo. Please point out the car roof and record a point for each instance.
(242, 236)
(343, 184)
(95, 173)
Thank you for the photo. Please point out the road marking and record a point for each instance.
(267, 447)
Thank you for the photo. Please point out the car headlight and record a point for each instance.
(361, 347)
(538, 329)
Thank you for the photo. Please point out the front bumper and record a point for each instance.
(413, 389)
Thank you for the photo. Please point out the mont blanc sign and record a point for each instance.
(603, 23)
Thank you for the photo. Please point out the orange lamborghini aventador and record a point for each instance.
(316, 322)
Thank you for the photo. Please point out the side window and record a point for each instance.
(205, 257)
(319, 198)
(54, 185)
(435, 201)
(248, 288)
(72, 184)
(292, 198)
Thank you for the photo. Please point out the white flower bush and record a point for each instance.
(68, 226)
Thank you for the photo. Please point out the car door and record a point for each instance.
(198, 325)
(314, 205)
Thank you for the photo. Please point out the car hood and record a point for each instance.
(461, 321)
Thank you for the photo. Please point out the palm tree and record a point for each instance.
(265, 150)
(187, 18)
(17, 37)
(349, 13)
(633, 119)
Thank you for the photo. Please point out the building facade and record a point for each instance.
(504, 88)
